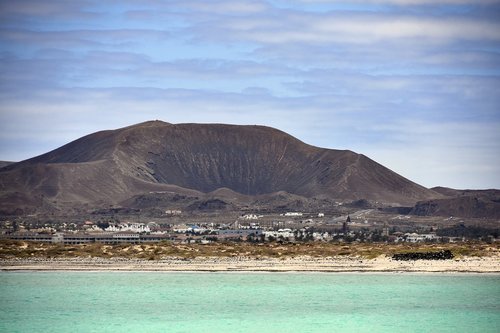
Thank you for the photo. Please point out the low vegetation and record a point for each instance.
(157, 251)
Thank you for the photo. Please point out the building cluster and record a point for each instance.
(296, 227)
(127, 227)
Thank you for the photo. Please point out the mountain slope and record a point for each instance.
(5, 163)
(463, 203)
(110, 166)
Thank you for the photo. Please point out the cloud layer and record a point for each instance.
(412, 84)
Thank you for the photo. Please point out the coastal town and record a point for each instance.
(362, 226)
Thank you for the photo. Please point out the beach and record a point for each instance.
(272, 257)
(490, 264)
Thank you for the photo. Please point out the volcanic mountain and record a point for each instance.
(109, 167)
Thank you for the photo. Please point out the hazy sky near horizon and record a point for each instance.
(412, 84)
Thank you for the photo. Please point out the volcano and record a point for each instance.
(108, 167)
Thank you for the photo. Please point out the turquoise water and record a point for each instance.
(247, 302)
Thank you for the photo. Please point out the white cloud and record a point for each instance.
(227, 7)
(72, 38)
(358, 29)
(42, 8)
(408, 2)
(378, 28)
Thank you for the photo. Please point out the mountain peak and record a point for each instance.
(111, 166)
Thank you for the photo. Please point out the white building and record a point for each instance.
(133, 227)
(415, 238)
(251, 217)
(181, 228)
(293, 214)
(285, 233)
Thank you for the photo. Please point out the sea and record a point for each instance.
(248, 302)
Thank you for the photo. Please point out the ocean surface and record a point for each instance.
(247, 302)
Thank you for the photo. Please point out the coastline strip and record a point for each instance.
(245, 264)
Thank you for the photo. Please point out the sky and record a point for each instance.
(412, 84)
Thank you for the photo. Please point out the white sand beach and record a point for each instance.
(489, 264)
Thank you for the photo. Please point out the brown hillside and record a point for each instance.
(463, 203)
(111, 166)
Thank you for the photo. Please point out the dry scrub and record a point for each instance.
(156, 251)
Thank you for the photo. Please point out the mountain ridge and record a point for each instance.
(108, 167)
(463, 203)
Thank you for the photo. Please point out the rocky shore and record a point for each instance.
(490, 264)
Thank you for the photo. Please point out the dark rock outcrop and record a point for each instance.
(438, 255)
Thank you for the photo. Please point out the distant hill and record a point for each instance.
(111, 167)
(463, 203)
(450, 192)
(5, 163)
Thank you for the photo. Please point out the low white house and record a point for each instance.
(293, 214)
(415, 238)
(285, 233)
(322, 236)
(251, 217)
(133, 227)
(181, 228)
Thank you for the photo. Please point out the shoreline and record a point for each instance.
(382, 264)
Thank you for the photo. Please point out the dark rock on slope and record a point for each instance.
(110, 167)
(439, 255)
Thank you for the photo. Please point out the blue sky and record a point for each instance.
(413, 84)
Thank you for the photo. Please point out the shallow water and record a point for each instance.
(247, 302)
